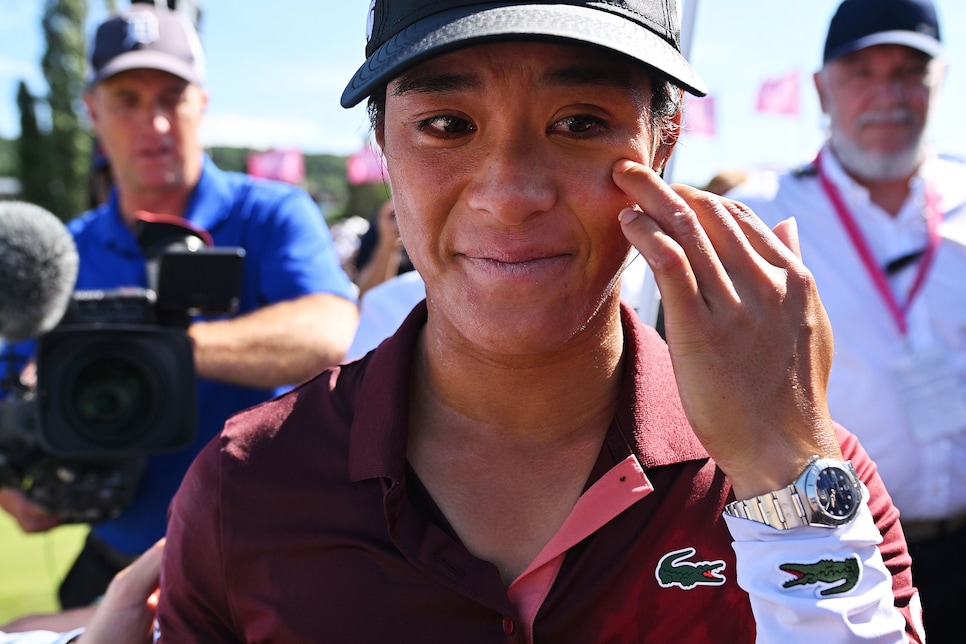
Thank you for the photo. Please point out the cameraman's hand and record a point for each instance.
(126, 614)
(30, 516)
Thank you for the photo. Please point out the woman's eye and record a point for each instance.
(578, 124)
(446, 125)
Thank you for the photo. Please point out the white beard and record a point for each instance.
(876, 166)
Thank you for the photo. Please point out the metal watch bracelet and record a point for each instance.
(780, 509)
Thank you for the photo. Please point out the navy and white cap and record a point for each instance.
(403, 33)
(147, 37)
(858, 24)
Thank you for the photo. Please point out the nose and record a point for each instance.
(891, 90)
(514, 182)
(160, 122)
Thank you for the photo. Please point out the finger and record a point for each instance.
(730, 244)
(740, 238)
(664, 256)
(686, 268)
(787, 232)
(773, 248)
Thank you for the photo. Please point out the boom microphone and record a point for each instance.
(38, 269)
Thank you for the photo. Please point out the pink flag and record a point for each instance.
(699, 115)
(366, 166)
(281, 165)
(780, 95)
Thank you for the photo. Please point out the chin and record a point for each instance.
(875, 165)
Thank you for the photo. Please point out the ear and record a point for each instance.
(938, 67)
(820, 89)
(380, 133)
(91, 109)
(666, 140)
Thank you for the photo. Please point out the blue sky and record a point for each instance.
(277, 69)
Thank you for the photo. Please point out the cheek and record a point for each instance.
(600, 202)
(415, 217)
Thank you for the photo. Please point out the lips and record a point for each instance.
(511, 256)
(153, 153)
(896, 116)
(523, 269)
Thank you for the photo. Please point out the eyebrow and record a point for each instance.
(429, 83)
(424, 82)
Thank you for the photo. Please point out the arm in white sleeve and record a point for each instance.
(814, 584)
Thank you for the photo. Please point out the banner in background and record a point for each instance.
(780, 95)
(699, 117)
(280, 165)
(366, 166)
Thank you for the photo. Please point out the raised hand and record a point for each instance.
(749, 339)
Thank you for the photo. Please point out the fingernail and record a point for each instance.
(628, 215)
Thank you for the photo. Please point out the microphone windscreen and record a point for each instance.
(38, 270)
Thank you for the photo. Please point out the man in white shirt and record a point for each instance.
(883, 230)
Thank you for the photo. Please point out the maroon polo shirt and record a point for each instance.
(302, 522)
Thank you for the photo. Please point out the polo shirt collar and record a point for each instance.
(113, 232)
(858, 195)
(208, 206)
(210, 202)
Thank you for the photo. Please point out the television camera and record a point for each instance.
(115, 377)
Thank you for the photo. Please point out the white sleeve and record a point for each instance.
(814, 584)
(39, 637)
(382, 309)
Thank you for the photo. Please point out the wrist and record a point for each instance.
(827, 493)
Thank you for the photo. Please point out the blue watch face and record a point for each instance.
(835, 491)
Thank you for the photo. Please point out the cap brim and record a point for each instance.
(922, 42)
(148, 59)
(459, 28)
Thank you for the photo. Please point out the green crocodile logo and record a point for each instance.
(825, 571)
(673, 570)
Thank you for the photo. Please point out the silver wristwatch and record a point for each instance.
(827, 494)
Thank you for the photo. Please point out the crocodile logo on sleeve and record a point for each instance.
(844, 574)
(673, 570)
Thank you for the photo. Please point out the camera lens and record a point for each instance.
(108, 390)
(109, 398)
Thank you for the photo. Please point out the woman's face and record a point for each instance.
(500, 160)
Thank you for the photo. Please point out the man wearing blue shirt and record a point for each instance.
(297, 311)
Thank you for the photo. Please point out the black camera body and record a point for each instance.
(115, 383)
(110, 381)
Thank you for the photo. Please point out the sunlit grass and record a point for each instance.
(31, 566)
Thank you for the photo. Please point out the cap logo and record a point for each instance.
(370, 20)
(929, 30)
(142, 29)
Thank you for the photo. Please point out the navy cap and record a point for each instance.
(147, 37)
(403, 33)
(858, 24)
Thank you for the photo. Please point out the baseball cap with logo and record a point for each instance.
(146, 37)
(403, 33)
(858, 24)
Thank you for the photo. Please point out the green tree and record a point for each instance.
(9, 164)
(325, 179)
(32, 151)
(68, 142)
(230, 159)
(364, 200)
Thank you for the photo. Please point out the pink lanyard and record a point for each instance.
(933, 217)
